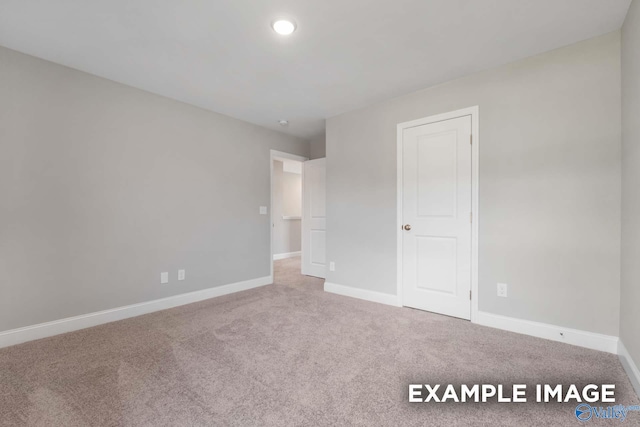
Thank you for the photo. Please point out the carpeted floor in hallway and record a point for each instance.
(288, 354)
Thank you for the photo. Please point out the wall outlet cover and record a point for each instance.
(181, 274)
(502, 290)
(263, 210)
(332, 266)
(164, 277)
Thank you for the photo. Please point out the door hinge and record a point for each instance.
(469, 295)
(471, 139)
(471, 217)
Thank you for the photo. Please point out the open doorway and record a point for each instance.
(286, 206)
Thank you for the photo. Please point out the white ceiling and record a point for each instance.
(223, 56)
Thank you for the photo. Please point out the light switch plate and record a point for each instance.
(164, 277)
(181, 274)
(263, 210)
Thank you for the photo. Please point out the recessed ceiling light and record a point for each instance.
(283, 26)
(283, 122)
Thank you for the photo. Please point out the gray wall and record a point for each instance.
(549, 185)
(287, 190)
(317, 147)
(630, 291)
(103, 186)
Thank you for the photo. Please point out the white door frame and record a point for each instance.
(475, 181)
(277, 155)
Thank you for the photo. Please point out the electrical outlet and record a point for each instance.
(181, 274)
(332, 266)
(164, 277)
(263, 210)
(502, 290)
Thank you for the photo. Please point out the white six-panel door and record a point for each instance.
(314, 218)
(436, 217)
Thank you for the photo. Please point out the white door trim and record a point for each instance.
(475, 181)
(277, 155)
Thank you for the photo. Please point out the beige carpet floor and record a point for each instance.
(288, 354)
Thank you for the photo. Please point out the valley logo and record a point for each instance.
(584, 412)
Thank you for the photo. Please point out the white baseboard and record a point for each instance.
(43, 330)
(286, 255)
(364, 294)
(585, 339)
(629, 366)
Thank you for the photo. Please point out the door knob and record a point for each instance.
(407, 227)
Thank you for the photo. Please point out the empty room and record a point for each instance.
(319, 213)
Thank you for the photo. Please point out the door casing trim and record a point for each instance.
(474, 112)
